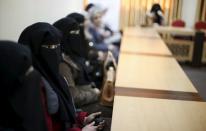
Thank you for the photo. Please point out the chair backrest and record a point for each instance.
(200, 25)
(178, 23)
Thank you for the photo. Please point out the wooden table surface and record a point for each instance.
(152, 92)
(141, 32)
(175, 30)
(151, 72)
(148, 114)
(142, 45)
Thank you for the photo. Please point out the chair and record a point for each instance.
(200, 25)
(178, 23)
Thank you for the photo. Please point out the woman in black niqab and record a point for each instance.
(44, 41)
(95, 71)
(72, 46)
(20, 93)
(80, 19)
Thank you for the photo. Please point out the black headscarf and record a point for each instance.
(89, 6)
(78, 17)
(85, 43)
(156, 7)
(71, 42)
(20, 93)
(43, 39)
(72, 46)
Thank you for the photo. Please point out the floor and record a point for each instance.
(196, 75)
(198, 78)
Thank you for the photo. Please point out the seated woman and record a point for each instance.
(155, 15)
(114, 36)
(93, 60)
(73, 68)
(43, 39)
(20, 91)
(80, 19)
(103, 39)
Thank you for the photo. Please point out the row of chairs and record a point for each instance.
(182, 45)
(200, 25)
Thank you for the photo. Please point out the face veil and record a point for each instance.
(71, 42)
(80, 19)
(44, 41)
(51, 55)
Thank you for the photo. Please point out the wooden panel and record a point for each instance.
(150, 72)
(148, 114)
(144, 45)
(141, 32)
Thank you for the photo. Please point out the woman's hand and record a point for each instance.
(90, 127)
(91, 117)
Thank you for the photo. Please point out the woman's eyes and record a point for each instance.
(51, 46)
(76, 32)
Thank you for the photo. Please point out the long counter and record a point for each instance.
(152, 92)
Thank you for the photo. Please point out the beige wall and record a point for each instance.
(189, 12)
(15, 15)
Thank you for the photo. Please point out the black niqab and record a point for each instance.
(71, 42)
(71, 45)
(20, 91)
(85, 43)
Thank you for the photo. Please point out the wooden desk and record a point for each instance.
(148, 114)
(141, 32)
(152, 92)
(151, 72)
(182, 48)
(148, 46)
(175, 30)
